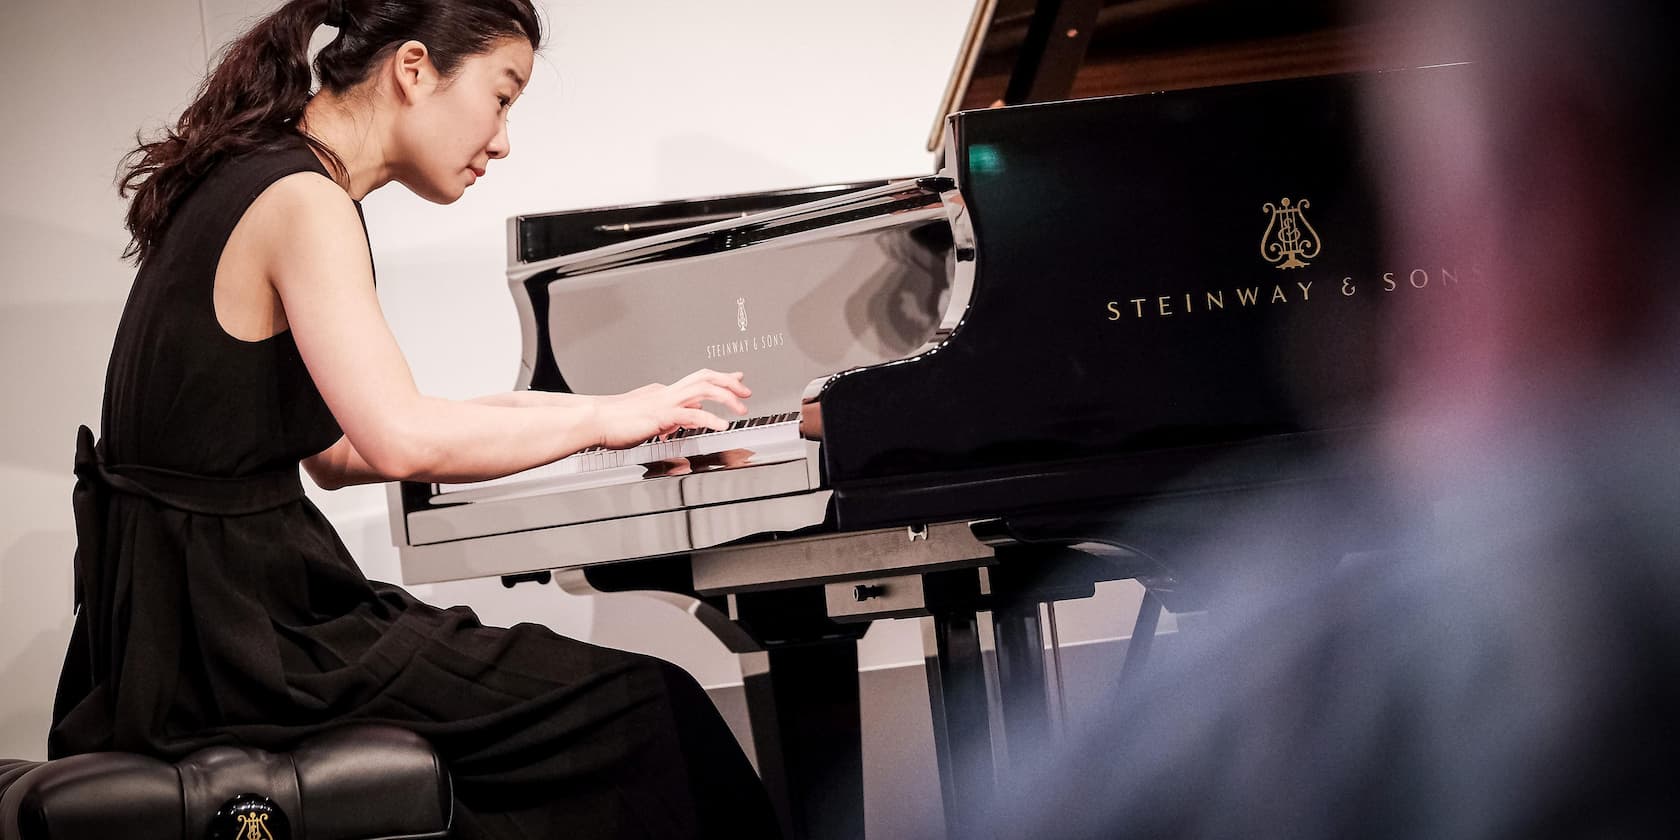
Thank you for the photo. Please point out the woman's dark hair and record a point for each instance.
(256, 93)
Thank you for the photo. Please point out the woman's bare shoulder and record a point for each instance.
(306, 217)
(305, 193)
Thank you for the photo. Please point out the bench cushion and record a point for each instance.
(356, 783)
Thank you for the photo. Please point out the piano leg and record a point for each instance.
(807, 732)
(1021, 682)
(1143, 637)
(1026, 577)
(957, 699)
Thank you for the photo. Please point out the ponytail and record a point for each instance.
(251, 99)
(256, 94)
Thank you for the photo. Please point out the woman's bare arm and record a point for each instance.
(534, 399)
(340, 465)
(316, 258)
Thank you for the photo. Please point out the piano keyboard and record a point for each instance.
(598, 466)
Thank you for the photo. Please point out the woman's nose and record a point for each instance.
(499, 146)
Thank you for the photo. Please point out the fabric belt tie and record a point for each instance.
(192, 493)
(182, 491)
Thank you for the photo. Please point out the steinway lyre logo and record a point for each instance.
(741, 313)
(1290, 239)
(254, 827)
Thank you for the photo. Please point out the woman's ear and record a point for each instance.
(416, 77)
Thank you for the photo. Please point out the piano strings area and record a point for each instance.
(1133, 333)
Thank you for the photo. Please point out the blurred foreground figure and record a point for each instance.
(1513, 672)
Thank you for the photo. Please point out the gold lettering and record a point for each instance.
(1114, 310)
(1347, 287)
(1413, 279)
(1278, 295)
(1306, 287)
(1388, 281)
(1216, 299)
(1138, 302)
(1187, 306)
(1249, 298)
(1161, 302)
(1448, 277)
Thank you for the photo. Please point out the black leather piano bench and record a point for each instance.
(360, 782)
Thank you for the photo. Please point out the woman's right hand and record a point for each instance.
(651, 411)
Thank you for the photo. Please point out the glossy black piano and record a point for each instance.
(1102, 323)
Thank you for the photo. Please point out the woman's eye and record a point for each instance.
(504, 101)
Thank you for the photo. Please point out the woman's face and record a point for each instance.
(458, 125)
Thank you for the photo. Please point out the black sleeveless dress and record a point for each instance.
(219, 606)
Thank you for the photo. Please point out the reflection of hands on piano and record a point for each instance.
(668, 466)
(727, 459)
(654, 411)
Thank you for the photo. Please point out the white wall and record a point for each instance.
(632, 100)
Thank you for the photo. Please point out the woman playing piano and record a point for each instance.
(217, 604)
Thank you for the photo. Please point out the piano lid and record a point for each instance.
(1021, 51)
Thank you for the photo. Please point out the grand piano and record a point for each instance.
(1100, 325)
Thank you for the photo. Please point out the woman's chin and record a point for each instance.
(438, 193)
(447, 195)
